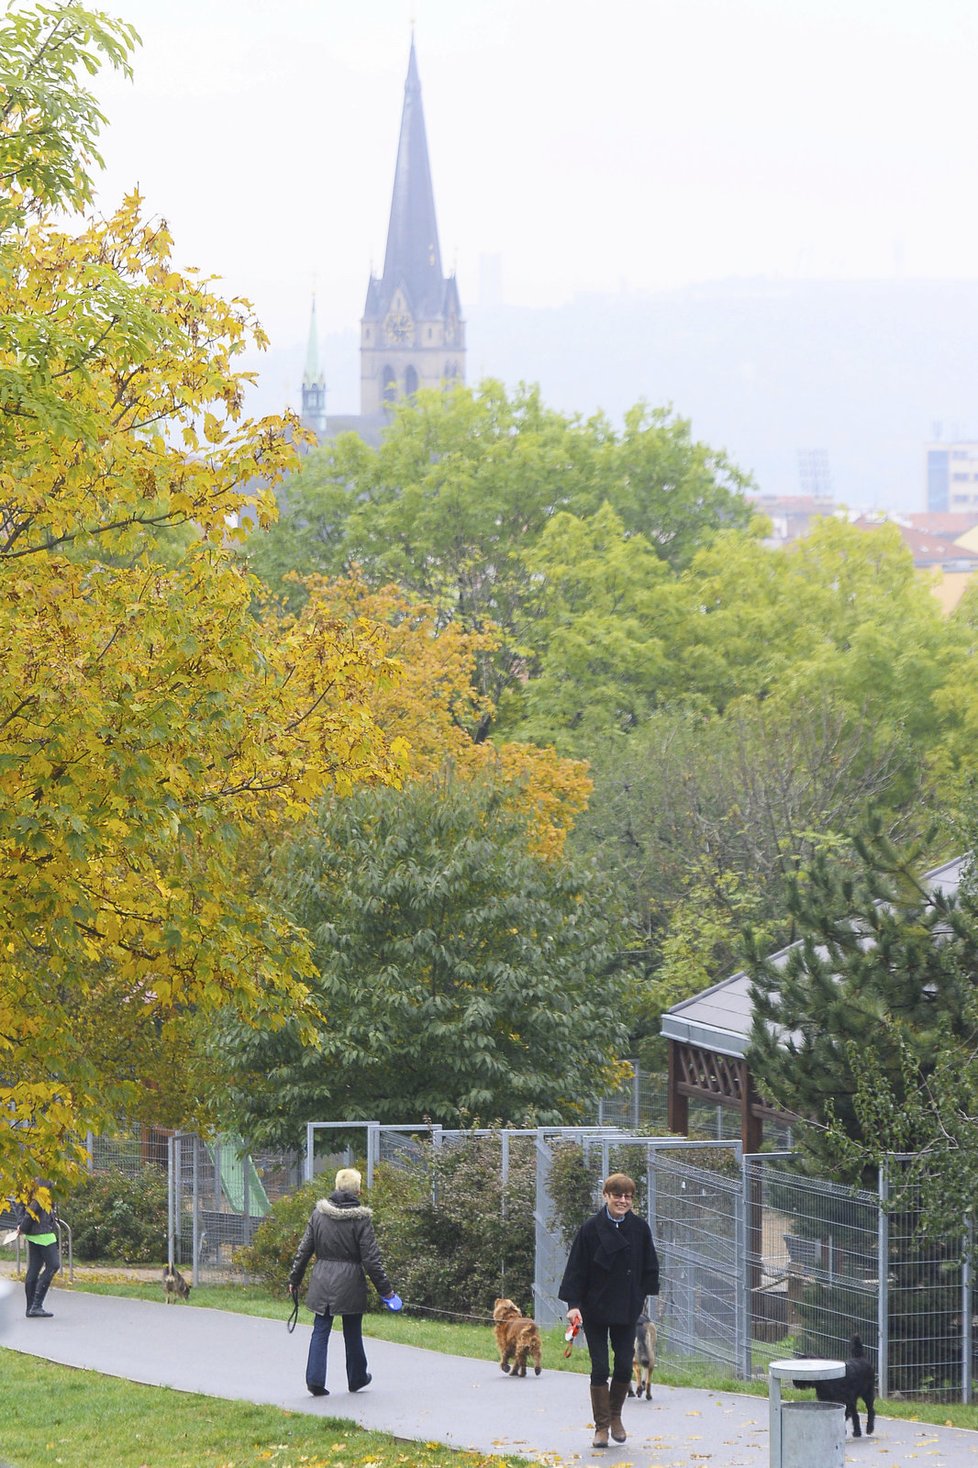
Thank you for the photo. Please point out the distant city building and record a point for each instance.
(952, 477)
(814, 473)
(411, 334)
(792, 515)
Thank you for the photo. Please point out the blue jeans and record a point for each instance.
(356, 1359)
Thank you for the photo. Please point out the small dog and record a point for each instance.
(517, 1338)
(858, 1382)
(643, 1364)
(175, 1287)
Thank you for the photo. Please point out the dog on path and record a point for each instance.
(643, 1363)
(858, 1382)
(175, 1287)
(517, 1338)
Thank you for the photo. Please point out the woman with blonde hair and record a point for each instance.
(341, 1235)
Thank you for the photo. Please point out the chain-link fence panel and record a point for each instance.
(928, 1330)
(813, 1262)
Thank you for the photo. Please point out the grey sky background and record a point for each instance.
(630, 148)
(635, 144)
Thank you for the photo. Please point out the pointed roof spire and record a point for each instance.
(413, 257)
(312, 375)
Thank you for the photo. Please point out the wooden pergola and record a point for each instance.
(722, 1080)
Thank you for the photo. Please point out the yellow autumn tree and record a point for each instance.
(436, 707)
(150, 724)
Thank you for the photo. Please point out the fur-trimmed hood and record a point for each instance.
(338, 1206)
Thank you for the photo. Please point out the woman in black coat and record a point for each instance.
(611, 1268)
(341, 1235)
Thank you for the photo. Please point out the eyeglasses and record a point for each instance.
(614, 1193)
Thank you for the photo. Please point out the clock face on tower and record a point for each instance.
(399, 328)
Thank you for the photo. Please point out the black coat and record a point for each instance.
(610, 1270)
(33, 1219)
(341, 1235)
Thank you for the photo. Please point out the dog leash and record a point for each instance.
(290, 1324)
(570, 1336)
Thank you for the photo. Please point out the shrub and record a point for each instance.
(119, 1216)
(268, 1258)
(573, 1189)
(452, 1237)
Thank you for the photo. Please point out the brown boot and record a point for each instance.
(616, 1400)
(601, 1407)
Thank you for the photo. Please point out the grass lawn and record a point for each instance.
(78, 1419)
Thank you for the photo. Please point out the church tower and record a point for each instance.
(412, 334)
(313, 383)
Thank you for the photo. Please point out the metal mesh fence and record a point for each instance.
(812, 1261)
(757, 1259)
(928, 1345)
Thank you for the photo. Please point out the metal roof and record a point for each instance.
(719, 1018)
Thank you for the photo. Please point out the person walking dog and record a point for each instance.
(37, 1222)
(611, 1268)
(341, 1235)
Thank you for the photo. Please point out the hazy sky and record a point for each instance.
(623, 145)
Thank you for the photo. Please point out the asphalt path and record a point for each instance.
(427, 1396)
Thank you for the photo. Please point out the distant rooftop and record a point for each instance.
(719, 1018)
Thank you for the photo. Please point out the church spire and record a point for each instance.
(412, 335)
(413, 259)
(313, 382)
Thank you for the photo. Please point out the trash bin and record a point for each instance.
(805, 1434)
(813, 1435)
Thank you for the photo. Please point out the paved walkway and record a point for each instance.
(430, 1397)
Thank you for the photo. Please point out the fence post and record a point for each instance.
(373, 1150)
(195, 1230)
(742, 1349)
(170, 1196)
(967, 1353)
(307, 1165)
(883, 1291)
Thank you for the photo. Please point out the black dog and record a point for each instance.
(858, 1382)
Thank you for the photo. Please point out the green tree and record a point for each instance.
(463, 485)
(702, 821)
(600, 637)
(854, 1024)
(460, 975)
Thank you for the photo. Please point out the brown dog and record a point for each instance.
(643, 1364)
(175, 1287)
(517, 1337)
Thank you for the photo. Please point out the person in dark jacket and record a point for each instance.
(341, 1235)
(611, 1268)
(37, 1222)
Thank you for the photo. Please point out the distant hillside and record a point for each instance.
(861, 370)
